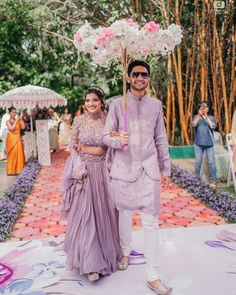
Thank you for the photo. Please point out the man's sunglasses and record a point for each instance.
(143, 74)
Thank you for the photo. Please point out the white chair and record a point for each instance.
(231, 174)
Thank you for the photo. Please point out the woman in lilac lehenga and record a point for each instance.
(91, 241)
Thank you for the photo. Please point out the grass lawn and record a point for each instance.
(230, 190)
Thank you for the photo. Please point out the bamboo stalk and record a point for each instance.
(214, 78)
(232, 79)
(124, 69)
(173, 113)
(168, 102)
(222, 75)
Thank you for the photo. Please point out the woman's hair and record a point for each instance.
(99, 92)
(11, 109)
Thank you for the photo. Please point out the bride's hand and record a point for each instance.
(73, 151)
(114, 133)
(124, 138)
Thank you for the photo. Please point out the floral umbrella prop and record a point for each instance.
(30, 96)
(124, 40)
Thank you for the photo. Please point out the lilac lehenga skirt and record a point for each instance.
(91, 240)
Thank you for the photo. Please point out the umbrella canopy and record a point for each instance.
(30, 96)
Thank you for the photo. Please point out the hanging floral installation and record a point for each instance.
(124, 40)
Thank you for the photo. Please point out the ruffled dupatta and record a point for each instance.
(73, 176)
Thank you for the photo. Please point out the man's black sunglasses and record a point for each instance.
(143, 74)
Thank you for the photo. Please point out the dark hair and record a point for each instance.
(11, 109)
(80, 109)
(201, 104)
(99, 92)
(136, 63)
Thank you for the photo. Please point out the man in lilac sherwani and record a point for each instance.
(136, 173)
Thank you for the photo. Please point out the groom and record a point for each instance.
(136, 173)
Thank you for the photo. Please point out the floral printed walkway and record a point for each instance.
(41, 217)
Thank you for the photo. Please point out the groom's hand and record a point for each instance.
(124, 138)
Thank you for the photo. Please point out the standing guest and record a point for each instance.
(204, 125)
(42, 114)
(65, 126)
(53, 122)
(14, 144)
(91, 241)
(3, 132)
(80, 111)
(136, 173)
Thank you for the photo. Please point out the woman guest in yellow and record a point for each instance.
(14, 144)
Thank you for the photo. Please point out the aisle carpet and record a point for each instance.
(194, 261)
(41, 218)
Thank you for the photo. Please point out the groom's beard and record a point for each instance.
(139, 87)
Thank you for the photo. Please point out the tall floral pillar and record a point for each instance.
(42, 134)
(30, 147)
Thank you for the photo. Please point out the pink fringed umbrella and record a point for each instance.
(30, 96)
(123, 41)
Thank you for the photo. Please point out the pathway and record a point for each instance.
(5, 181)
(41, 218)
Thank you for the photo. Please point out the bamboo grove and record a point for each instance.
(203, 67)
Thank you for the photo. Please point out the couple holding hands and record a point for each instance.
(99, 204)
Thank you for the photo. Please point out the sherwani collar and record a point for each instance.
(133, 97)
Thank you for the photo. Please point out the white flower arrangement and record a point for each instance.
(124, 40)
(106, 44)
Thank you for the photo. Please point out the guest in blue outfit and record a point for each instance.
(204, 125)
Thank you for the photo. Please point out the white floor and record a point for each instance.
(187, 263)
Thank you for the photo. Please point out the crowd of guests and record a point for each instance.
(15, 124)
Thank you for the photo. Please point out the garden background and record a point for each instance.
(36, 48)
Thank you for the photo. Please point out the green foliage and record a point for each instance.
(29, 55)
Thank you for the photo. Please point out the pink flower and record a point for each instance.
(105, 35)
(77, 37)
(131, 22)
(151, 27)
(148, 51)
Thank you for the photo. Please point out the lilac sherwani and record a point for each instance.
(135, 175)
